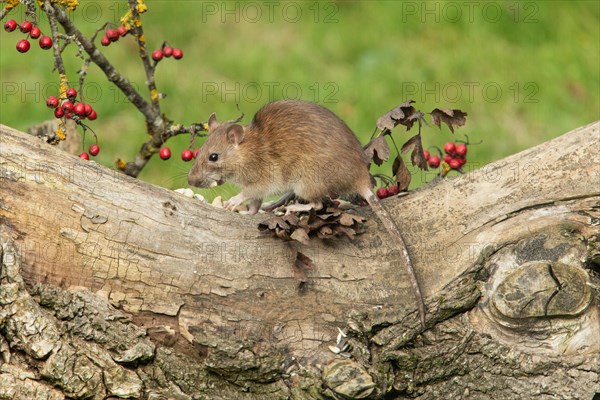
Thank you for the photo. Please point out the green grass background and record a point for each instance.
(358, 58)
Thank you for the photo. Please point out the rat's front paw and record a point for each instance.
(235, 201)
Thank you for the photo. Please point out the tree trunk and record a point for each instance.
(111, 287)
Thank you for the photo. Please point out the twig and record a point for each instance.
(150, 147)
(159, 129)
(153, 118)
(30, 11)
(138, 32)
(58, 61)
(86, 63)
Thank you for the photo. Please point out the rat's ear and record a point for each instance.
(235, 134)
(212, 122)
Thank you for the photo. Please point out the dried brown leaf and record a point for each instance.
(325, 217)
(303, 220)
(324, 232)
(301, 226)
(291, 219)
(349, 219)
(302, 265)
(410, 143)
(401, 114)
(401, 173)
(334, 210)
(315, 224)
(272, 224)
(300, 235)
(416, 157)
(282, 234)
(350, 233)
(377, 150)
(304, 262)
(450, 117)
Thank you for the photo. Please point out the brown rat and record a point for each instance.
(292, 146)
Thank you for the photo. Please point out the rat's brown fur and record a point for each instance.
(292, 146)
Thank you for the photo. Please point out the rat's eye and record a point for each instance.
(213, 157)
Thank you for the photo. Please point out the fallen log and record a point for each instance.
(110, 286)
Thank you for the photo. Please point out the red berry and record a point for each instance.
(426, 154)
(393, 190)
(85, 156)
(196, 152)
(187, 155)
(447, 158)
(112, 35)
(67, 106)
(35, 32)
(10, 25)
(157, 55)
(23, 46)
(455, 163)
(71, 93)
(45, 42)
(382, 193)
(88, 109)
(104, 41)
(92, 116)
(52, 102)
(59, 112)
(449, 148)
(461, 149)
(434, 161)
(68, 115)
(94, 150)
(167, 51)
(462, 161)
(177, 54)
(79, 109)
(26, 26)
(122, 31)
(165, 153)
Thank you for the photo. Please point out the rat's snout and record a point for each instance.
(200, 176)
(195, 176)
(193, 180)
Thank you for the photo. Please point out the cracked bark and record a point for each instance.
(111, 287)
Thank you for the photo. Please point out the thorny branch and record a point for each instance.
(86, 62)
(58, 61)
(159, 128)
(98, 58)
(149, 68)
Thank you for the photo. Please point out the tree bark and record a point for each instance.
(112, 287)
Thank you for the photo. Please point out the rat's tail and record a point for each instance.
(397, 239)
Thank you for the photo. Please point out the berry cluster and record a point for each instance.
(32, 32)
(186, 155)
(455, 157)
(432, 161)
(70, 107)
(112, 35)
(93, 151)
(167, 51)
(384, 192)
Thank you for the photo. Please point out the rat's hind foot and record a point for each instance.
(283, 200)
(254, 206)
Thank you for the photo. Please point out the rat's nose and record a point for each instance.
(193, 180)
